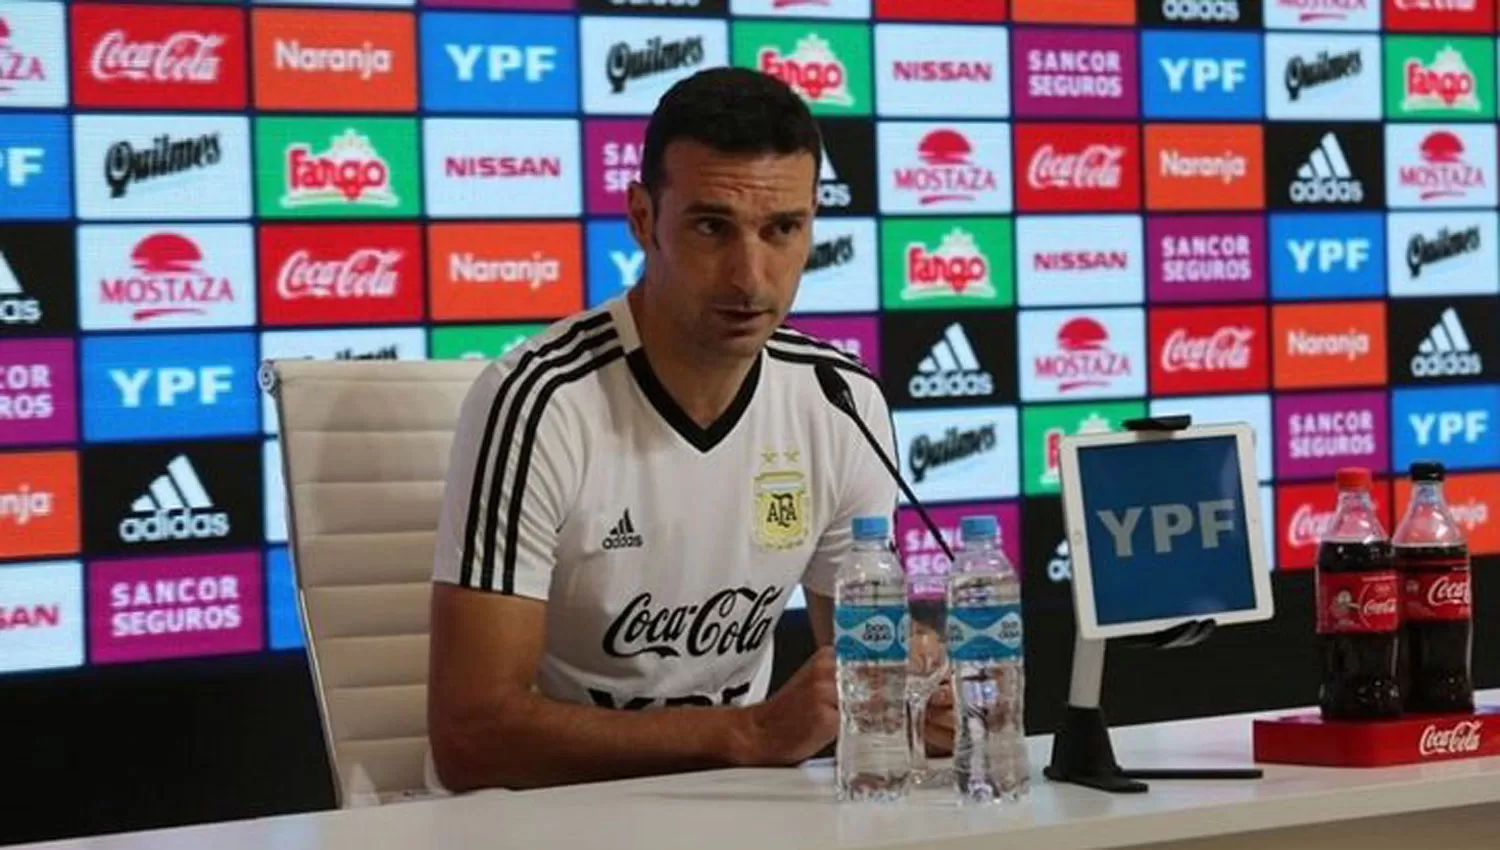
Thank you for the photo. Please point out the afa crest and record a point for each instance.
(781, 504)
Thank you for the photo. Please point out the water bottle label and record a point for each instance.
(985, 633)
(870, 633)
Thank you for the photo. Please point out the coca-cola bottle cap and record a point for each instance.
(1353, 478)
(1427, 470)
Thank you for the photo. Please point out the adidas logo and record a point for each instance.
(832, 192)
(15, 307)
(951, 370)
(623, 535)
(1326, 177)
(174, 507)
(1446, 351)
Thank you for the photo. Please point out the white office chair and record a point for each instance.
(364, 451)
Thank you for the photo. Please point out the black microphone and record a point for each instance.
(836, 389)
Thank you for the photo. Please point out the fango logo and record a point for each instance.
(827, 64)
(1439, 77)
(952, 263)
(321, 167)
(349, 170)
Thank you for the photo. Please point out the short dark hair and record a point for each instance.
(731, 110)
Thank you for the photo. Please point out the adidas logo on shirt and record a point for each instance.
(1326, 177)
(174, 507)
(1446, 351)
(951, 369)
(15, 307)
(623, 535)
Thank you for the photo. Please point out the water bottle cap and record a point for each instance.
(1427, 470)
(978, 527)
(1353, 478)
(871, 527)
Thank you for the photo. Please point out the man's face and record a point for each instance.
(726, 243)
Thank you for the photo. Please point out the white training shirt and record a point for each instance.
(665, 552)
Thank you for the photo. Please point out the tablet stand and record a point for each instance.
(1082, 752)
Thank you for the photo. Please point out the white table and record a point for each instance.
(1433, 807)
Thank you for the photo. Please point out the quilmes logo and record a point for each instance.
(1306, 74)
(957, 267)
(954, 445)
(1423, 251)
(951, 369)
(1446, 351)
(174, 507)
(628, 62)
(127, 165)
(348, 171)
(1326, 178)
(812, 70)
(1445, 83)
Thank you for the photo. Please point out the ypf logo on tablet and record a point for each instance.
(136, 277)
(478, 62)
(938, 70)
(33, 55)
(337, 167)
(144, 609)
(1444, 253)
(1452, 425)
(41, 616)
(335, 61)
(1201, 75)
(179, 57)
(1205, 167)
(35, 181)
(38, 504)
(172, 497)
(842, 274)
(1327, 256)
(1323, 76)
(338, 274)
(510, 168)
(168, 385)
(940, 169)
(959, 263)
(37, 271)
(959, 454)
(162, 167)
(1430, 165)
(1316, 434)
(1206, 258)
(38, 399)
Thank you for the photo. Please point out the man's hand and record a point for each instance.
(940, 725)
(800, 719)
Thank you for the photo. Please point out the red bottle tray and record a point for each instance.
(1420, 738)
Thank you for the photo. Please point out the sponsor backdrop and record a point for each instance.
(1038, 218)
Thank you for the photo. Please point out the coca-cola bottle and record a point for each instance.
(1358, 610)
(1432, 558)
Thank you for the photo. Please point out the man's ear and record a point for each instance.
(642, 214)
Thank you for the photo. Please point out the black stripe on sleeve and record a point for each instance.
(518, 492)
(507, 436)
(811, 358)
(476, 491)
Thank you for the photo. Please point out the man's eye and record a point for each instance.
(709, 226)
(787, 228)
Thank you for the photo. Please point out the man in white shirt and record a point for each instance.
(636, 492)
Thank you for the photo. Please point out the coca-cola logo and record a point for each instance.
(1226, 349)
(1308, 526)
(733, 621)
(1459, 739)
(365, 273)
(183, 57)
(1094, 167)
(1450, 591)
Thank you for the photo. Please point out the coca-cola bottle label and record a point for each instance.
(1439, 592)
(1356, 603)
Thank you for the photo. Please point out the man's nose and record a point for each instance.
(748, 266)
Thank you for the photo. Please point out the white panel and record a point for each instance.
(513, 168)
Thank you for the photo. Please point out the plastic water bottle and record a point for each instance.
(989, 680)
(870, 631)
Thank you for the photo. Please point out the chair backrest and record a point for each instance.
(364, 452)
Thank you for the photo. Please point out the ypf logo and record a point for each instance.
(35, 183)
(1453, 425)
(483, 62)
(169, 385)
(1201, 75)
